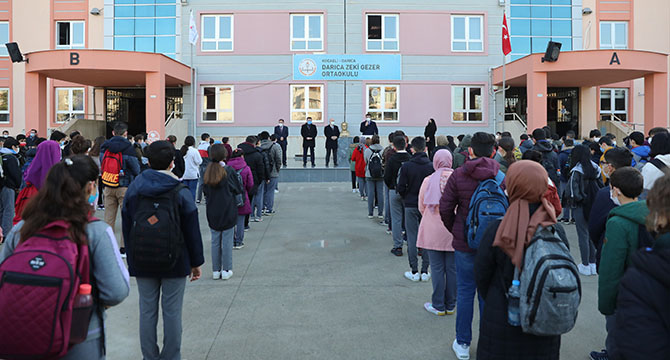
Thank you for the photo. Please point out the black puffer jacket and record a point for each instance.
(254, 159)
(498, 340)
(221, 208)
(643, 311)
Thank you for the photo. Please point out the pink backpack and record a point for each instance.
(38, 284)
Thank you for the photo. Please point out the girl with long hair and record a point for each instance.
(221, 211)
(192, 161)
(66, 195)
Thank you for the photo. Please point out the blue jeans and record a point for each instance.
(239, 230)
(397, 210)
(443, 275)
(222, 249)
(375, 187)
(257, 205)
(567, 211)
(7, 196)
(412, 221)
(387, 206)
(586, 248)
(269, 197)
(465, 298)
(361, 186)
(192, 186)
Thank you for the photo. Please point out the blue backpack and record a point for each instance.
(488, 203)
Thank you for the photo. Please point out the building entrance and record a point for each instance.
(129, 105)
(562, 108)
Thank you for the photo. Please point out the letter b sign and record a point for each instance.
(74, 58)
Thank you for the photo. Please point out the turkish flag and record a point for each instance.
(506, 44)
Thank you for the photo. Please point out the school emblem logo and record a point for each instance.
(307, 67)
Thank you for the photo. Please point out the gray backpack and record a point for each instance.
(550, 286)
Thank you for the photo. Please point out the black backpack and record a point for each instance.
(156, 236)
(236, 185)
(375, 165)
(268, 162)
(549, 165)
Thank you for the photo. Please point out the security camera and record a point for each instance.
(95, 11)
(587, 11)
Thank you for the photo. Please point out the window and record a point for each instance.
(146, 25)
(217, 103)
(613, 35)
(466, 33)
(533, 24)
(382, 33)
(217, 33)
(306, 32)
(382, 102)
(69, 104)
(467, 103)
(306, 100)
(70, 34)
(4, 37)
(4, 105)
(614, 104)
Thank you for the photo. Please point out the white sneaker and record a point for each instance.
(413, 277)
(425, 276)
(370, 217)
(381, 217)
(593, 269)
(225, 275)
(216, 275)
(584, 269)
(276, 191)
(353, 191)
(429, 307)
(462, 351)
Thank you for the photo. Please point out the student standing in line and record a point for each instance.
(352, 163)
(203, 146)
(434, 238)
(156, 279)
(359, 159)
(221, 211)
(372, 180)
(393, 166)
(237, 162)
(192, 161)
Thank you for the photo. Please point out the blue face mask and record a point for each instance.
(93, 198)
(309, 122)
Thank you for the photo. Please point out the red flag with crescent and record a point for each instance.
(506, 44)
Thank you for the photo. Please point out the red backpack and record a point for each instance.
(111, 167)
(38, 285)
(22, 200)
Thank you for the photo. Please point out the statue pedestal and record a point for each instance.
(343, 151)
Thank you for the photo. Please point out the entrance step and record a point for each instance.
(317, 174)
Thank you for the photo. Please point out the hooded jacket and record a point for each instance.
(192, 162)
(11, 168)
(578, 186)
(640, 154)
(155, 183)
(650, 173)
(455, 201)
(247, 180)
(367, 154)
(350, 153)
(461, 153)
(411, 177)
(393, 167)
(526, 145)
(550, 157)
(564, 163)
(275, 154)
(642, 316)
(131, 166)
(358, 158)
(221, 210)
(254, 159)
(621, 241)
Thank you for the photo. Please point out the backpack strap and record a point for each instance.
(500, 177)
(660, 165)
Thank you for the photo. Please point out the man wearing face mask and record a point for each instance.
(332, 133)
(32, 138)
(369, 127)
(308, 132)
(281, 132)
(615, 158)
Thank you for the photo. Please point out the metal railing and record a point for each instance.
(518, 118)
(170, 117)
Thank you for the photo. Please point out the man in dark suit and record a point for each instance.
(308, 132)
(332, 133)
(369, 127)
(281, 132)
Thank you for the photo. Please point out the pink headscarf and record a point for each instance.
(48, 155)
(442, 160)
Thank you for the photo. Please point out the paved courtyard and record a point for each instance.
(317, 281)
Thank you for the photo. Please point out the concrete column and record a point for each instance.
(536, 90)
(655, 100)
(155, 101)
(588, 110)
(36, 103)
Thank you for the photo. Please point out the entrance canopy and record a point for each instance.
(589, 68)
(103, 68)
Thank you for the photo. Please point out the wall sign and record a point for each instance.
(347, 67)
(615, 59)
(74, 58)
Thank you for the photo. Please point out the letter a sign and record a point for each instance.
(615, 59)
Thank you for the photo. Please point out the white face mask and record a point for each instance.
(367, 119)
(614, 199)
(332, 123)
(281, 124)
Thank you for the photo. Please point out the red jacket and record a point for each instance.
(552, 196)
(357, 156)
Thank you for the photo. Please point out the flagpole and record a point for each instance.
(504, 83)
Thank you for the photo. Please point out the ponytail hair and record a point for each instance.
(507, 144)
(215, 173)
(62, 197)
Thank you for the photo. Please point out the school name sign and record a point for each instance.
(347, 67)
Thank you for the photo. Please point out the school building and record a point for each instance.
(92, 62)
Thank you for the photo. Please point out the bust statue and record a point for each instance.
(345, 129)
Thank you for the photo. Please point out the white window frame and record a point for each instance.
(307, 109)
(217, 109)
(217, 28)
(383, 97)
(73, 113)
(613, 112)
(72, 45)
(307, 39)
(467, 39)
(383, 39)
(612, 30)
(466, 103)
(8, 40)
(9, 106)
